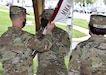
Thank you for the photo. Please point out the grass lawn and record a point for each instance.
(5, 22)
(75, 34)
(4, 7)
(80, 22)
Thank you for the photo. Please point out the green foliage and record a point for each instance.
(82, 1)
(89, 1)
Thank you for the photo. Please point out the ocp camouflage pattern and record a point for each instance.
(16, 48)
(52, 62)
(89, 57)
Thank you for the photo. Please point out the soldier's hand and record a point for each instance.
(50, 26)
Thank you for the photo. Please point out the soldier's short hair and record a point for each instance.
(15, 10)
(98, 21)
(47, 13)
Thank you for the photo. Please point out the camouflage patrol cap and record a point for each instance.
(17, 10)
(98, 21)
(47, 13)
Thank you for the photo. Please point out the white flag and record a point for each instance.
(63, 10)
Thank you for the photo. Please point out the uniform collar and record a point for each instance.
(98, 38)
(15, 30)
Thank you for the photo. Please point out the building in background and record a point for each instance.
(28, 3)
(23, 3)
(50, 4)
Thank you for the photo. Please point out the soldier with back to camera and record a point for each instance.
(89, 56)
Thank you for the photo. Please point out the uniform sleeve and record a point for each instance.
(74, 62)
(65, 48)
(41, 45)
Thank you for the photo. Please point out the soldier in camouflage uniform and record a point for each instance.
(17, 46)
(89, 57)
(52, 62)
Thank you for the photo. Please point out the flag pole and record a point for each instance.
(69, 23)
(56, 10)
(70, 20)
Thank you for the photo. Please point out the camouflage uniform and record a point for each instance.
(89, 57)
(16, 50)
(52, 62)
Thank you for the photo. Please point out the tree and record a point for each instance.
(84, 1)
(104, 1)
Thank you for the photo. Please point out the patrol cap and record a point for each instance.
(47, 13)
(98, 21)
(17, 10)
